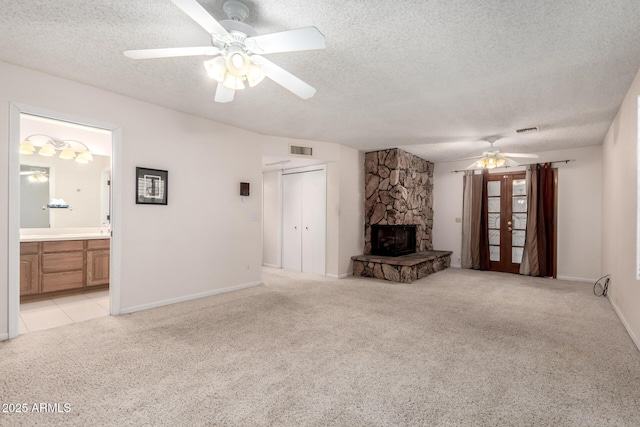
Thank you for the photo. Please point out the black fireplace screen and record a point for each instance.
(393, 240)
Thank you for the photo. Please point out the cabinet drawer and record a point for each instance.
(28, 248)
(65, 261)
(60, 281)
(98, 244)
(63, 246)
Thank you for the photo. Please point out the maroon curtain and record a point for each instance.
(479, 223)
(541, 221)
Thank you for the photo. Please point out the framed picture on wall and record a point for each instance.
(151, 186)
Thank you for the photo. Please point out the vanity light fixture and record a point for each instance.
(69, 148)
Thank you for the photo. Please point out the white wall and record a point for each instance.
(579, 210)
(620, 208)
(205, 238)
(351, 209)
(271, 218)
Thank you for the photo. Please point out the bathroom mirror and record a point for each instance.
(83, 187)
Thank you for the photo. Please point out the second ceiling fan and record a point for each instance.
(237, 49)
(493, 158)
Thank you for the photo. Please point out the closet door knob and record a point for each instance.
(307, 228)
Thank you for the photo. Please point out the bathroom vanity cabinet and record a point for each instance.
(50, 267)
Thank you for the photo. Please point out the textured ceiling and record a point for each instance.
(429, 76)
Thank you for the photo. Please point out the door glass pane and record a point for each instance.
(494, 204)
(519, 187)
(519, 204)
(494, 220)
(519, 221)
(494, 253)
(517, 238)
(516, 255)
(494, 237)
(493, 188)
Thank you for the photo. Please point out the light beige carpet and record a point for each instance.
(455, 348)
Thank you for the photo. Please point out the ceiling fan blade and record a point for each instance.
(285, 78)
(466, 158)
(171, 52)
(201, 16)
(521, 155)
(510, 163)
(307, 38)
(224, 94)
(473, 165)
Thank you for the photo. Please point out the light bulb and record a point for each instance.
(47, 150)
(237, 62)
(216, 68)
(255, 75)
(84, 157)
(233, 82)
(26, 147)
(67, 153)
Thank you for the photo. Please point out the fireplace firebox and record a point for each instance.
(393, 240)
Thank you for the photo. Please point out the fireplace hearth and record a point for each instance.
(393, 240)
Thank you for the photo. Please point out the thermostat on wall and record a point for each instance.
(244, 188)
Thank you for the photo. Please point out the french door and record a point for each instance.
(507, 220)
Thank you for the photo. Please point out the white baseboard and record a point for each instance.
(264, 264)
(577, 279)
(187, 297)
(4, 337)
(624, 322)
(339, 276)
(455, 266)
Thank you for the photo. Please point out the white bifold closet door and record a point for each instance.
(304, 221)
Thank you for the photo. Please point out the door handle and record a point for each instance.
(509, 228)
(509, 223)
(295, 227)
(307, 228)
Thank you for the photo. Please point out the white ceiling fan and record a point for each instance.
(238, 50)
(493, 158)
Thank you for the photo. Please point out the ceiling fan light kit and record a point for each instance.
(240, 48)
(495, 159)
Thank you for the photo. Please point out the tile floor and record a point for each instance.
(59, 311)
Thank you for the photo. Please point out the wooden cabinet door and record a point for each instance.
(97, 267)
(29, 274)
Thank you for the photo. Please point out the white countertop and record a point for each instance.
(53, 234)
(54, 237)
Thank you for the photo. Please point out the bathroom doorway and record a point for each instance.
(64, 262)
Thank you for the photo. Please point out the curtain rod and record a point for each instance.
(506, 167)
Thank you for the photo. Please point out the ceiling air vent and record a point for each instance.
(526, 130)
(300, 151)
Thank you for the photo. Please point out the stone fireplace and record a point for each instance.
(393, 240)
(398, 191)
(398, 219)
